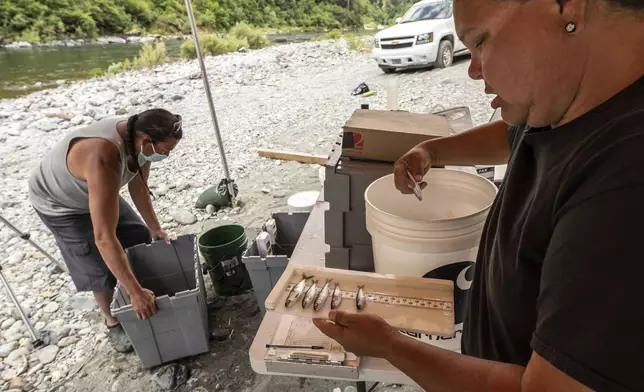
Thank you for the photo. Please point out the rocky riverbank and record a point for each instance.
(276, 36)
(133, 39)
(294, 97)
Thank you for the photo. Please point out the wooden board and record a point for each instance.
(435, 321)
(297, 331)
(294, 156)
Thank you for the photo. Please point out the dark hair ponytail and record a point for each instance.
(131, 135)
(159, 125)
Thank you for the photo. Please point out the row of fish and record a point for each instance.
(318, 297)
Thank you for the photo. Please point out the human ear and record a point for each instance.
(573, 15)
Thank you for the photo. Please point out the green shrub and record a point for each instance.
(114, 68)
(231, 44)
(333, 34)
(213, 45)
(139, 10)
(127, 65)
(359, 43)
(79, 24)
(30, 36)
(187, 50)
(96, 73)
(150, 56)
(61, 19)
(255, 38)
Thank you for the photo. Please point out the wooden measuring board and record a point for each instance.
(407, 303)
(329, 362)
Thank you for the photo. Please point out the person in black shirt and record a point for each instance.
(556, 303)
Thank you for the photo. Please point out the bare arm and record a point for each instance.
(141, 198)
(103, 180)
(435, 369)
(439, 370)
(483, 145)
(102, 172)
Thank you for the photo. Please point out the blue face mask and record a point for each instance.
(155, 157)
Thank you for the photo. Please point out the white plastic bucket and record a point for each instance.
(437, 237)
(302, 201)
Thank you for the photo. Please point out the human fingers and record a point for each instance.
(151, 303)
(418, 163)
(332, 330)
(343, 318)
(164, 236)
(401, 179)
(146, 311)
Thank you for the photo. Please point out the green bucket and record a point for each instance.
(222, 249)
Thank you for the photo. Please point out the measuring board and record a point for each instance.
(330, 362)
(407, 303)
(389, 299)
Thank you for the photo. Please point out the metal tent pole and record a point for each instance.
(204, 76)
(27, 237)
(35, 340)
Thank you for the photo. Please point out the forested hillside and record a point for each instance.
(40, 20)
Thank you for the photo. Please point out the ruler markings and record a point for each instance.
(388, 299)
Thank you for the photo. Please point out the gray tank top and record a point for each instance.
(53, 190)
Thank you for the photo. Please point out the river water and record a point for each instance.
(26, 70)
(22, 69)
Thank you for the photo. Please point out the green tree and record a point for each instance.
(54, 19)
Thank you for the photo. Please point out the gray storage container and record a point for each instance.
(264, 273)
(345, 230)
(180, 327)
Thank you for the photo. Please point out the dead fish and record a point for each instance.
(310, 295)
(361, 298)
(336, 299)
(322, 296)
(296, 291)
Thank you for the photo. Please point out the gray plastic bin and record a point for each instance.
(180, 327)
(346, 181)
(264, 273)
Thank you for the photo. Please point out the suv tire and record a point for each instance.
(387, 70)
(445, 56)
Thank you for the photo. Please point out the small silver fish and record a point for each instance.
(336, 299)
(416, 188)
(322, 296)
(361, 298)
(310, 295)
(296, 291)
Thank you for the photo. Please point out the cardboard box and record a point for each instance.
(388, 135)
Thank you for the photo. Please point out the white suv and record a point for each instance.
(425, 36)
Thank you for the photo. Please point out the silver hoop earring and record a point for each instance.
(571, 27)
